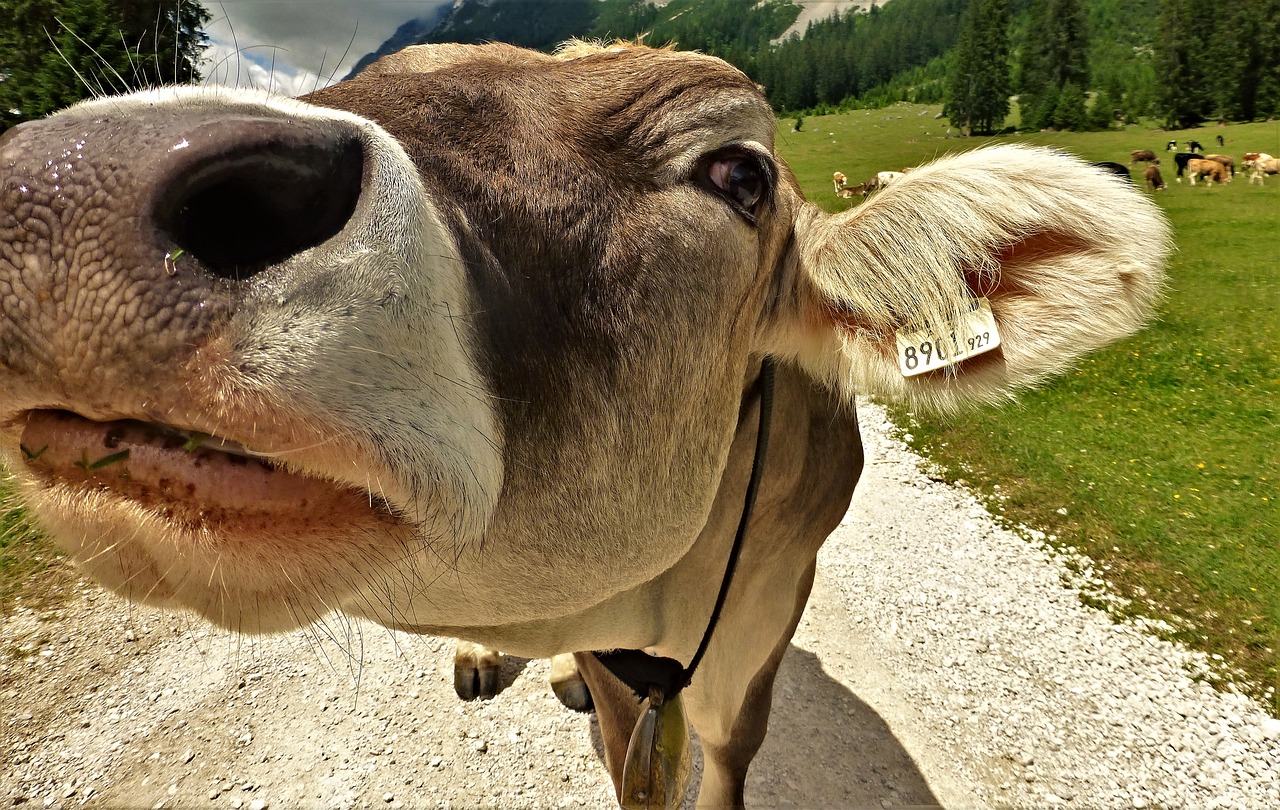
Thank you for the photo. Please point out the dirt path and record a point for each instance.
(881, 701)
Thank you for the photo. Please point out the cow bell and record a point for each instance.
(658, 766)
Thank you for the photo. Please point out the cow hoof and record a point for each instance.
(477, 672)
(568, 684)
(575, 695)
(473, 683)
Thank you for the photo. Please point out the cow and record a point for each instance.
(1171, 146)
(839, 180)
(1211, 170)
(886, 179)
(860, 190)
(1195, 146)
(1153, 178)
(1118, 169)
(263, 359)
(1141, 156)
(1181, 159)
(1262, 167)
(1248, 160)
(1225, 160)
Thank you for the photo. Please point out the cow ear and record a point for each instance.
(972, 276)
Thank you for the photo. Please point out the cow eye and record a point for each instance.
(741, 179)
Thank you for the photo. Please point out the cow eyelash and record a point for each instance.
(742, 177)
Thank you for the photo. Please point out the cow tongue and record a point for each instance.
(155, 463)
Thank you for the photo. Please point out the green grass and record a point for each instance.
(24, 556)
(1159, 456)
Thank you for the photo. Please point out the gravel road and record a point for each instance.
(942, 660)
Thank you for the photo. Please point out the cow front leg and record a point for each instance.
(730, 697)
(617, 710)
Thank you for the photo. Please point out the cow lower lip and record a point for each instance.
(163, 466)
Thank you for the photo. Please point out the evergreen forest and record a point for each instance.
(56, 52)
(1034, 64)
(1071, 64)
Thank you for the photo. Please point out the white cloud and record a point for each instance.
(293, 47)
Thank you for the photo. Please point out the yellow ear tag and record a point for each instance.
(659, 765)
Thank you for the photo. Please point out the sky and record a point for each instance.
(296, 46)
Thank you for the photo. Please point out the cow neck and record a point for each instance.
(643, 673)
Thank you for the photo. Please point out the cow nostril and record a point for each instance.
(241, 212)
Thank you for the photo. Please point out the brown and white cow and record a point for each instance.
(1248, 160)
(266, 359)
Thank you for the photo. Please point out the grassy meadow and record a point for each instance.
(1159, 457)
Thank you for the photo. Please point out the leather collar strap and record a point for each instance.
(643, 672)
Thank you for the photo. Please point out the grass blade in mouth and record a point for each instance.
(105, 461)
(195, 441)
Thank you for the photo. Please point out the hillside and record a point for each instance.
(537, 24)
(411, 32)
(822, 55)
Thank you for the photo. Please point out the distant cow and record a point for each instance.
(1249, 158)
(885, 179)
(1141, 155)
(1225, 160)
(1171, 146)
(1261, 168)
(537, 415)
(1152, 176)
(840, 180)
(860, 190)
(1195, 146)
(1182, 159)
(1118, 169)
(1210, 170)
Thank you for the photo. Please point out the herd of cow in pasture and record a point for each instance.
(1193, 163)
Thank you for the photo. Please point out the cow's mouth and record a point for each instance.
(185, 474)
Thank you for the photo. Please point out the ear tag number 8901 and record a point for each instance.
(967, 335)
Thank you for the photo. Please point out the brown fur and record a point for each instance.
(1211, 171)
(1225, 160)
(531, 402)
(1153, 178)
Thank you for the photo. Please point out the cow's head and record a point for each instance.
(463, 341)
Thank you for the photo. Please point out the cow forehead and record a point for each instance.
(635, 105)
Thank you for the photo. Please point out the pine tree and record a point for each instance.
(1055, 53)
(1069, 112)
(978, 80)
(1101, 111)
(166, 38)
(1183, 97)
(56, 52)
